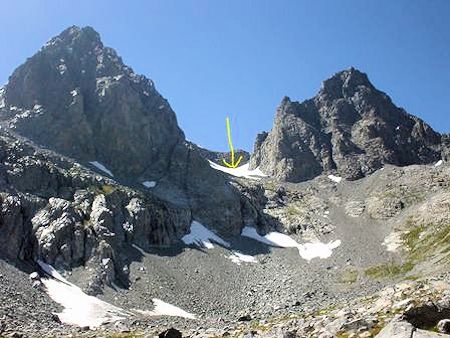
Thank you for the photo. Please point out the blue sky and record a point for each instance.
(238, 58)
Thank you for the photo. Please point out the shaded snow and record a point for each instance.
(201, 236)
(62, 68)
(439, 163)
(307, 251)
(238, 258)
(83, 310)
(149, 184)
(242, 171)
(335, 178)
(101, 167)
(272, 238)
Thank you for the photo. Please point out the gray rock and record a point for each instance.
(76, 96)
(350, 128)
(396, 330)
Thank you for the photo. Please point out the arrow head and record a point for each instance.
(233, 165)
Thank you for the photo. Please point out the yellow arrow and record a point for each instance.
(230, 144)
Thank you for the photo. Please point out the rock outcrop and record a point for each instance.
(74, 111)
(350, 128)
(76, 97)
(446, 147)
(53, 209)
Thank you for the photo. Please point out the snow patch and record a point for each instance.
(80, 309)
(166, 309)
(439, 163)
(149, 184)
(335, 178)
(201, 236)
(393, 241)
(62, 69)
(272, 238)
(321, 250)
(242, 171)
(101, 167)
(83, 310)
(238, 258)
(307, 251)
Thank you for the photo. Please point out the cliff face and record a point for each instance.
(349, 127)
(76, 97)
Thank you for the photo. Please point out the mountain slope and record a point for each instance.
(349, 127)
(76, 97)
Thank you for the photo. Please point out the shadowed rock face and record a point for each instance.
(219, 156)
(84, 102)
(349, 127)
(446, 147)
(76, 97)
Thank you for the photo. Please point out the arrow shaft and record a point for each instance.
(230, 142)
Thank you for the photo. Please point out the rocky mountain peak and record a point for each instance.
(76, 97)
(345, 83)
(349, 128)
(75, 60)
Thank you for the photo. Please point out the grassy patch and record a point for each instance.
(390, 269)
(349, 276)
(108, 189)
(408, 197)
(373, 331)
(426, 241)
(105, 189)
(412, 238)
(125, 335)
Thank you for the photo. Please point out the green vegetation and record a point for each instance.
(407, 196)
(373, 331)
(125, 335)
(424, 242)
(349, 275)
(108, 189)
(390, 269)
(105, 189)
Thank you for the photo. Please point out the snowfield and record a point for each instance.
(101, 167)
(83, 310)
(80, 309)
(307, 251)
(203, 237)
(242, 171)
